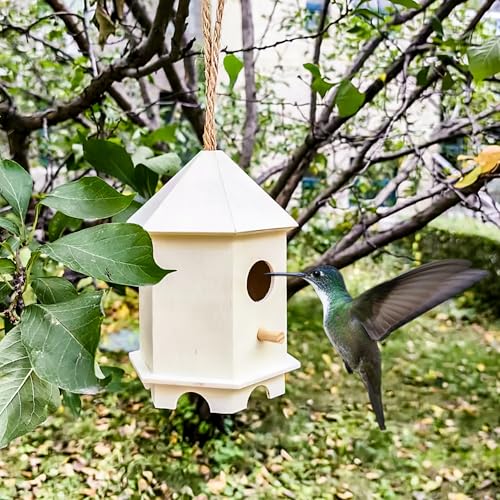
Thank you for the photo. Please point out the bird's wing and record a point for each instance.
(393, 303)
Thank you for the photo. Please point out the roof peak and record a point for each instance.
(211, 195)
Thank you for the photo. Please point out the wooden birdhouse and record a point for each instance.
(217, 325)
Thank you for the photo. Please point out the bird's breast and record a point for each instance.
(347, 337)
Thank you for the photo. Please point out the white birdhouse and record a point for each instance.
(217, 326)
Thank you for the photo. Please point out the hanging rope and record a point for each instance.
(212, 49)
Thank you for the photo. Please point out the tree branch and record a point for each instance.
(190, 105)
(99, 85)
(250, 125)
(316, 56)
(290, 177)
(373, 241)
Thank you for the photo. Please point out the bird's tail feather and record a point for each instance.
(375, 396)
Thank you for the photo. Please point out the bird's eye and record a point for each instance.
(316, 274)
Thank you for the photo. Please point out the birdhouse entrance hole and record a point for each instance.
(258, 282)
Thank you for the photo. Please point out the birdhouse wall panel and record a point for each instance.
(192, 319)
(251, 355)
(145, 321)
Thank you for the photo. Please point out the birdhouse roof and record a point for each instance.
(211, 195)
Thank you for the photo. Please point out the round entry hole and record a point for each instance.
(258, 283)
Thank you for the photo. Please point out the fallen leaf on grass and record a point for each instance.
(217, 484)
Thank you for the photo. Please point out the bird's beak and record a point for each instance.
(298, 275)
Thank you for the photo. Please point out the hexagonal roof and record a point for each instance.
(211, 195)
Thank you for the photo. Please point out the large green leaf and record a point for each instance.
(5, 291)
(349, 99)
(484, 61)
(111, 159)
(127, 213)
(118, 252)
(7, 266)
(233, 65)
(164, 134)
(25, 399)
(53, 289)
(9, 246)
(61, 340)
(88, 198)
(73, 402)
(147, 179)
(15, 186)
(59, 223)
(142, 153)
(9, 226)
(166, 164)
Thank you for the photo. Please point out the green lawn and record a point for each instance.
(319, 441)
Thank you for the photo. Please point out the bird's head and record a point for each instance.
(324, 279)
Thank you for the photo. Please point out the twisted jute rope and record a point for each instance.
(212, 49)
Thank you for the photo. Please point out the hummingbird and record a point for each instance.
(354, 326)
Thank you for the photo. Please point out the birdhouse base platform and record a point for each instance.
(222, 396)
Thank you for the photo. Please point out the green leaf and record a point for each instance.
(9, 246)
(321, 86)
(484, 61)
(117, 252)
(318, 84)
(88, 198)
(111, 159)
(166, 164)
(147, 179)
(127, 213)
(313, 69)
(142, 153)
(233, 65)
(437, 26)
(73, 402)
(113, 381)
(77, 78)
(422, 76)
(5, 291)
(164, 134)
(349, 99)
(9, 226)
(15, 186)
(61, 341)
(447, 82)
(410, 4)
(59, 223)
(367, 14)
(53, 289)
(7, 267)
(25, 400)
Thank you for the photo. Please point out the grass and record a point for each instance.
(319, 441)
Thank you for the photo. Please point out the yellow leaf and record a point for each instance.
(105, 24)
(119, 8)
(468, 179)
(326, 358)
(488, 159)
(217, 484)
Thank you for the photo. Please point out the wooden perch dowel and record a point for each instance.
(270, 336)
